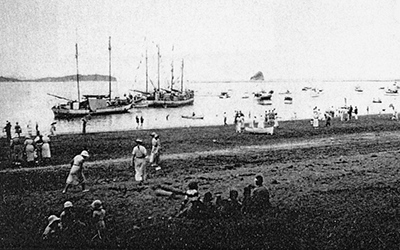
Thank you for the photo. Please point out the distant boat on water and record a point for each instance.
(391, 92)
(288, 100)
(224, 95)
(358, 89)
(265, 100)
(168, 98)
(92, 104)
(193, 116)
(376, 100)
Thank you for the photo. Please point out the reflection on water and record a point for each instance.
(28, 101)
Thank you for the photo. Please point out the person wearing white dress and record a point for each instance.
(139, 161)
(76, 175)
(46, 153)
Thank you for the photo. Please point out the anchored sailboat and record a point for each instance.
(92, 104)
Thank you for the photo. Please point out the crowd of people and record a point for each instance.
(30, 150)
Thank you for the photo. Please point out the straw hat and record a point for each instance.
(85, 153)
(96, 204)
(138, 140)
(68, 204)
(153, 134)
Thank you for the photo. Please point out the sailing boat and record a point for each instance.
(92, 104)
(168, 98)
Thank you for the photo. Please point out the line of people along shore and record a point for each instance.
(31, 148)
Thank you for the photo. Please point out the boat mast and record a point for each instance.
(77, 72)
(158, 66)
(182, 77)
(172, 69)
(147, 75)
(109, 68)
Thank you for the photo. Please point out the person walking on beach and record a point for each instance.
(84, 123)
(141, 121)
(76, 175)
(7, 129)
(137, 122)
(18, 129)
(155, 151)
(139, 153)
(350, 112)
(356, 113)
(225, 119)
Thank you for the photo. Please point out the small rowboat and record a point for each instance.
(194, 117)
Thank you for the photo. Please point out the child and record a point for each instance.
(98, 218)
(53, 227)
(191, 205)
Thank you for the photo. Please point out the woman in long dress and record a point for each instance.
(76, 175)
(46, 153)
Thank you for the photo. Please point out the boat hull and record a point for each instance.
(70, 113)
(170, 104)
(192, 117)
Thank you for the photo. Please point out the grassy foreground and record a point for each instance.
(344, 195)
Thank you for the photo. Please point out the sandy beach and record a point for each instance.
(331, 188)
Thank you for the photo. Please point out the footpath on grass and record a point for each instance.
(370, 137)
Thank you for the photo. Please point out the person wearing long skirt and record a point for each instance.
(46, 153)
(155, 151)
(139, 161)
(29, 152)
(98, 218)
(238, 124)
(76, 175)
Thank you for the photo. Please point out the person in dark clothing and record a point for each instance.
(141, 121)
(18, 129)
(7, 129)
(350, 112)
(260, 197)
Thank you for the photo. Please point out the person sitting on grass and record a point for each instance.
(231, 207)
(192, 205)
(260, 197)
(208, 209)
(70, 225)
(246, 201)
(98, 218)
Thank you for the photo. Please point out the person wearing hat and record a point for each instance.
(29, 151)
(139, 161)
(76, 175)
(53, 226)
(260, 196)
(67, 216)
(155, 151)
(98, 218)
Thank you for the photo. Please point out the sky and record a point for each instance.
(217, 39)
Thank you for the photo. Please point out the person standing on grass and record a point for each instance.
(18, 129)
(29, 150)
(98, 218)
(155, 151)
(139, 161)
(7, 129)
(350, 112)
(225, 119)
(76, 175)
(45, 149)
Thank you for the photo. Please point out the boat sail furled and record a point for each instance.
(168, 98)
(92, 104)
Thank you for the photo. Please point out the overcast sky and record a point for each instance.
(218, 39)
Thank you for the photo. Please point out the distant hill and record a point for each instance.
(257, 77)
(7, 79)
(70, 78)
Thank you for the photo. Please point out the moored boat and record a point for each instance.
(193, 116)
(288, 100)
(265, 100)
(92, 104)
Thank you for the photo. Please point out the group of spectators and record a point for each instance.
(254, 202)
(30, 150)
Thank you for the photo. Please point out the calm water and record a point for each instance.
(28, 101)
